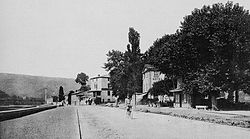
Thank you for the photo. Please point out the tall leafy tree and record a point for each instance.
(211, 51)
(125, 69)
(117, 70)
(219, 36)
(166, 55)
(82, 79)
(61, 94)
(133, 58)
(69, 96)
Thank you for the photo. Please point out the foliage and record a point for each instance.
(220, 40)
(85, 88)
(211, 51)
(69, 96)
(161, 87)
(125, 69)
(55, 98)
(133, 58)
(82, 78)
(61, 94)
(166, 55)
(116, 67)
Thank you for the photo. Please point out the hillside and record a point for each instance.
(34, 86)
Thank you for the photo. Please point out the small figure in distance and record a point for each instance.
(128, 107)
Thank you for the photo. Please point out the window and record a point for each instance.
(109, 85)
(174, 81)
(95, 86)
(98, 93)
(108, 93)
(156, 75)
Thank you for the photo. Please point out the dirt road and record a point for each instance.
(97, 122)
(106, 122)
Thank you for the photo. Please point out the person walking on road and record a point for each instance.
(128, 107)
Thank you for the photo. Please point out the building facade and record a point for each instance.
(150, 76)
(181, 98)
(177, 95)
(101, 89)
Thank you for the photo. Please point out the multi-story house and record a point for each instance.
(150, 76)
(100, 89)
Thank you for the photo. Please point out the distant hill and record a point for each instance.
(34, 86)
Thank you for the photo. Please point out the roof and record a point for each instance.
(175, 90)
(103, 76)
(80, 93)
(148, 67)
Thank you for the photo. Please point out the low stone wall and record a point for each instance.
(11, 114)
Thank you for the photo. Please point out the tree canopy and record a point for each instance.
(82, 78)
(161, 87)
(117, 71)
(219, 36)
(211, 50)
(125, 68)
(133, 58)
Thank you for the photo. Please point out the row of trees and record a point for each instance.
(210, 51)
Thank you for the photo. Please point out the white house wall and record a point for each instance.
(105, 82)
(105, 97)
(101, 84)
(149, 78)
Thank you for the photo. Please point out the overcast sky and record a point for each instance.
(60, 38)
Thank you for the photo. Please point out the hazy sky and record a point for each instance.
(61, 38)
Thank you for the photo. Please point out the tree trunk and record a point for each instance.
(214, 103)
(236, 96)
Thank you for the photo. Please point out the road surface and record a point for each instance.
(96, 122)
(58, 123)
